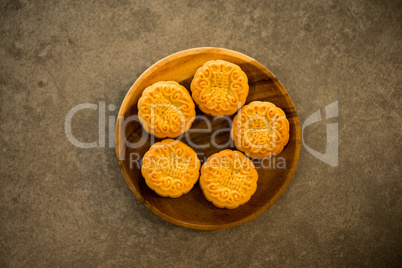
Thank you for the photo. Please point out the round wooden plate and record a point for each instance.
(192, 210)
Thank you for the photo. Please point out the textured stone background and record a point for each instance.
(66, 206)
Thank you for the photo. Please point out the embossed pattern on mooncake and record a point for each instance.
(166, 109)
(170, 168)
(219, 88)
(228, 179)
(260, 129)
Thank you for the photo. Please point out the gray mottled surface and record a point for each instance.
(66, 206)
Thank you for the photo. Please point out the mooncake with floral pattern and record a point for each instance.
(260, 129)
(228, 179)
(170, 168)
(166, 109)
(219, 88)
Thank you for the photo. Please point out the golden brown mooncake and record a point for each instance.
(219, 88)
(170, 168)
(166, 109)
(260, 129)
(228, 179)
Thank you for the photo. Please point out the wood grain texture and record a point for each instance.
(193, 210)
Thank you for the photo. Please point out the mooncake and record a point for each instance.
(219, 88)
(170, 168)
(260, 130)
(228, 179)
(166, 109)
